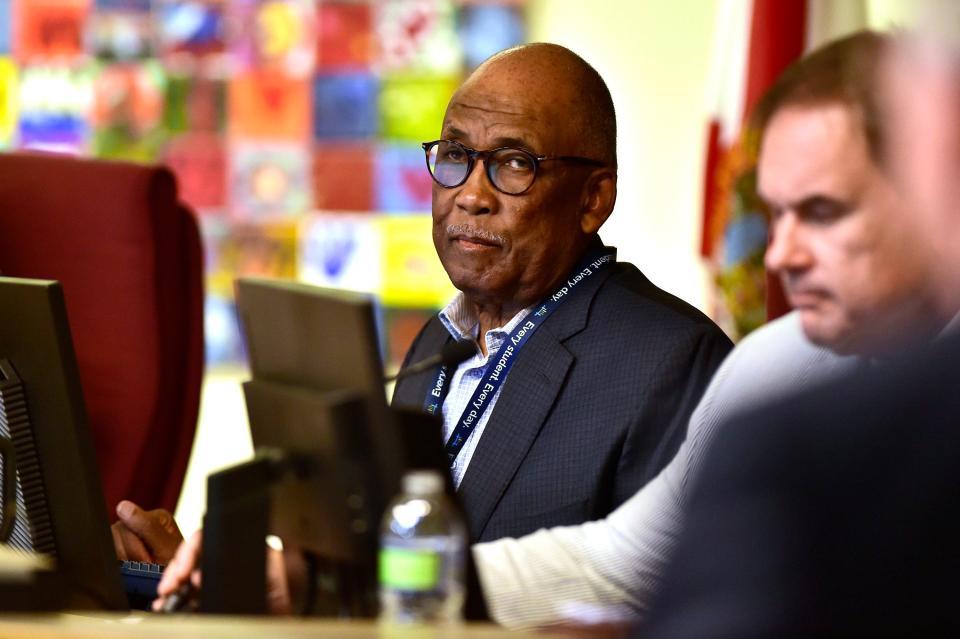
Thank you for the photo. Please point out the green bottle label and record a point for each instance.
(406, 569)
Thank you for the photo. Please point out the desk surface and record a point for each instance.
(81, 626)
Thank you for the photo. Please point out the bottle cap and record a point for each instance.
(422, 482)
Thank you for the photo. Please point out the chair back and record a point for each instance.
(128, 255)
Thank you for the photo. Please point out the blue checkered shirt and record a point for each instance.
(461, 321)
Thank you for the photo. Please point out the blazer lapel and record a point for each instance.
(528, 394)
(411, 391)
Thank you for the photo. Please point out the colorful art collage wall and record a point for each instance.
(293, 126)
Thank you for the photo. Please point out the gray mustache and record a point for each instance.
(463, 229)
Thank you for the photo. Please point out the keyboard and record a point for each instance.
(140, 581)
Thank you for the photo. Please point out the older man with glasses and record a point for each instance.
(585, 373)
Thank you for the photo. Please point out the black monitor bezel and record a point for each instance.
(35, 336)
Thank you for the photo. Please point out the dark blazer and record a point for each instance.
(595, 405)
(835, 513)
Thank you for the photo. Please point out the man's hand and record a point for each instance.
(185, 567)
(145, 535)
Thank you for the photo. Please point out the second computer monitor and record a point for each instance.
(318, 389)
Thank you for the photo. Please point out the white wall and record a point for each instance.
(654, 57)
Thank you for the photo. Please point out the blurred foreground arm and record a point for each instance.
(184, 568)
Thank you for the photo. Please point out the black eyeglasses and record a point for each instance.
(509, 170)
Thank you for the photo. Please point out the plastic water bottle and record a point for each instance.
(422, 545)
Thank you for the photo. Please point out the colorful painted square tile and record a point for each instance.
(412, 106)
(128, 93)
(120, 142)
(403, 182)
(6, 27)
(486, 28)
(402, 327)
(49, 30)
(120, 34)
(130, 6)
(235, 250)
(341, 251)
(214, 232)
(191, 28)
(53, 108)
(230, 252)
(8, 101)
(195, 104)
(128, 110)
(222, 339)
(345, 106)
(268, 181)
(343, 176)
(199, 161)
(418, 36)
(278, 35)
(345, 39)
(269, 105)
(412, 273)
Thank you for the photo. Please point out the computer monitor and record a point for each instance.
(325, 458)
(317, 388)
(310, 337)
(322, 343)
(60, 504)
(316, 393)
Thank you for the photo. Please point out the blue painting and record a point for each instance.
(403, 184)
(345, 106)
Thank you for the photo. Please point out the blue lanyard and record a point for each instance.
(502, 361)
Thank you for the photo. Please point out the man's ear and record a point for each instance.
(598, 197)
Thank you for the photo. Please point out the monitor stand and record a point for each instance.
(325, 504)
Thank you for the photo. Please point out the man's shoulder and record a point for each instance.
(782, 334)
(779, 351)
(630, 299)
(773, 361)
(895, 399)
(922, 379)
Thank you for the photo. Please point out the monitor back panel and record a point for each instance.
(321, 339)
(314, 354)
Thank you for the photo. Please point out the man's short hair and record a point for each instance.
(846, 71)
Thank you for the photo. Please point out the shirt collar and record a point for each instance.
(459, 318)
(461, 321)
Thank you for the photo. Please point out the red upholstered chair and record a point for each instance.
(129, 258)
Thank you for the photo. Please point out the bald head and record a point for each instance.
(506, 250)
(567, 91)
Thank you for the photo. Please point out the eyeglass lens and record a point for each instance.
(510, 170)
